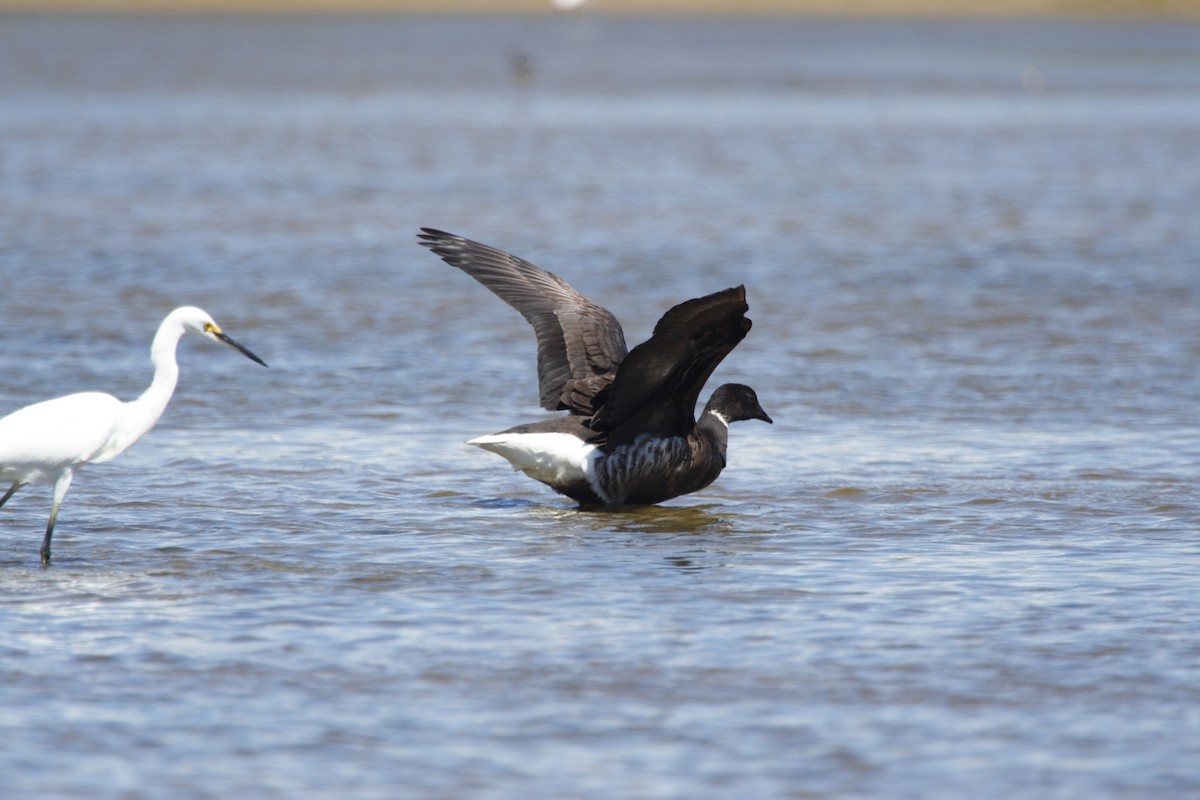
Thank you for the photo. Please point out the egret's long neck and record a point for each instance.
(142, 414)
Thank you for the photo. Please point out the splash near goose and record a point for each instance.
(630, 436)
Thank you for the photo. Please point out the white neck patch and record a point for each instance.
(721, 417)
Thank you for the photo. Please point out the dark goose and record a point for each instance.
(630, 437)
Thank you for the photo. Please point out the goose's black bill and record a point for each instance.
(240, 348)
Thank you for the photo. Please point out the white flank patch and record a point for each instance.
(552, 458)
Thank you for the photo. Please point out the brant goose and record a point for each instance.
(630, 437)
(48, 442)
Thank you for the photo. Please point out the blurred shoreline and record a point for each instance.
(832, 8)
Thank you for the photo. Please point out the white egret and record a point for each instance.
(48, 442)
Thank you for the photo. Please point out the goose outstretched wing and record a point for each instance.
(579, 344)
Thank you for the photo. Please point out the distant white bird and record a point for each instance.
(47, 442)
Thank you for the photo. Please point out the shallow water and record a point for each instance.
(960, 564)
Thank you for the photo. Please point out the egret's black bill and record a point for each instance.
(244, 351)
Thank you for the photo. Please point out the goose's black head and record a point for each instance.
(734, 402)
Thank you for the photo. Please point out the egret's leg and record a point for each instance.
(60, 491)
(11, 491)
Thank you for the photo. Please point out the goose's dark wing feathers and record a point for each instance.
(658, 383)
(579, 344)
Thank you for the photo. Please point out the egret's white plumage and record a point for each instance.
(48, 442)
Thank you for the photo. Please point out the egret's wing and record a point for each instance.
(579, 343)
(58, 433)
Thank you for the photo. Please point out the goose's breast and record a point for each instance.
(652, 469)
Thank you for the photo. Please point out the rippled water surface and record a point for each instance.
(962, 563)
